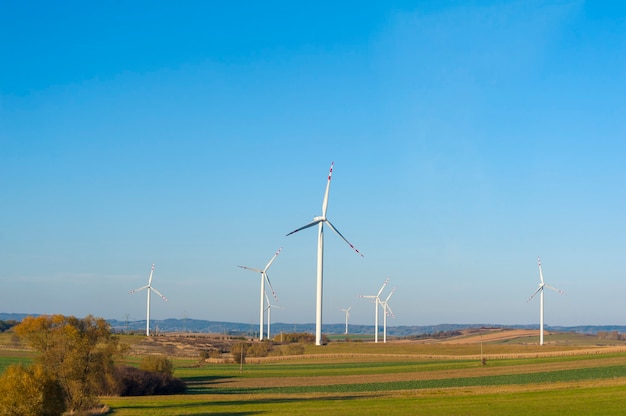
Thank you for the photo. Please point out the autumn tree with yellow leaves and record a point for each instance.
(76, 355)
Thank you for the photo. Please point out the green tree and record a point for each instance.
(78, 354)
(27, 391)
(157, 364)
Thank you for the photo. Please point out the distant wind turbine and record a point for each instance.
(386, 311)
(376, 301)
(269, 315)
(540, 290)
(264, 278)
(320, 256)
(347, 311)
(150, 289)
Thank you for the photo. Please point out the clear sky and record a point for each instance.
(468, 139)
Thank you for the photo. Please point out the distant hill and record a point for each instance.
(247, 329)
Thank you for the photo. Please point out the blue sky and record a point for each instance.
(468, 139)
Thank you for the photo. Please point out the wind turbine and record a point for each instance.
(376, 298)
(269, 315)
(386, 311)
(150, 289)
(263, 279)
(540, 290)
(320, 255)
(347, 311)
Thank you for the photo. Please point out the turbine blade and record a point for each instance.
(344, 238)
(325, 201)
(137, 290)
(272, 260)
(150, 278)
(251, 269)
(382, 287)
(159, 293)
(533, 295)
(371, 299)
(393, 290)
(315, 222)
(556, 290)
(540, 271)
(388, 311)
(267, 279)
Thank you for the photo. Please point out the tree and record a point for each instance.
(27, 391)
(78, 354)
(238, 351)
(157, 364)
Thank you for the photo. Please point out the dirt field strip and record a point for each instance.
(488, 356)
(497, 335)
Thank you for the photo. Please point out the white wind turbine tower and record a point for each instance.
(540, 290)
(264, 278)
(386, 311)
(269, 315)
(150, 289)
(320, 256)
(377, 302)
(347, 311)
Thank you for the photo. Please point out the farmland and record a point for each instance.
(570, 374)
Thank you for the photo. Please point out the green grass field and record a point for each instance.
(10, 357)
(567, 376)
(368, 379)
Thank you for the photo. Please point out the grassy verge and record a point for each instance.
(562, 399)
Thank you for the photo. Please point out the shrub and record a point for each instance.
(294, 349)
(259, 349)
(157, 364)
(132, 381)
(302, 337)
(6, 325)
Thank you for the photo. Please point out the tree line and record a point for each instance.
(6, 325)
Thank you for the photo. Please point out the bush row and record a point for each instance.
(132, 381)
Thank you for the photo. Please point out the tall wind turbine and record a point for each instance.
(347, 311)
(263, 279)
(540, 290)
(376, 298)
(320, 221)
(386, 311)
(150, 289)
